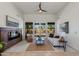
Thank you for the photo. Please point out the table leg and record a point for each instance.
(64, 46)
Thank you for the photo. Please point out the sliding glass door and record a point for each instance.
(50, 27)
(40, 29)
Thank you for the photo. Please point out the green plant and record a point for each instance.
(1, 45)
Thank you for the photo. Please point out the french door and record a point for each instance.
(40, 29)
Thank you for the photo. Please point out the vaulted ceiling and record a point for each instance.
(31, 7)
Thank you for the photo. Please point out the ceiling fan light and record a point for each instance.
(40, 11)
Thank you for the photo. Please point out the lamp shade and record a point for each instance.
(62, 34)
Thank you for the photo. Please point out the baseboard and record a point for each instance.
(72, 47)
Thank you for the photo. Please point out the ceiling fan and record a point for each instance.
(40, 8)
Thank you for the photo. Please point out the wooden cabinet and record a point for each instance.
(29, 38)
(10, 36)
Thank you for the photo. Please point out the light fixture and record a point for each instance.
(40, 11)
(62, 34)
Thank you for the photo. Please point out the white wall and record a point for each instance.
(39, 18)
(71, 13)
(6, 8)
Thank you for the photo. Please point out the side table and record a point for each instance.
(63, 44)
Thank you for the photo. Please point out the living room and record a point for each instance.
(57, 23)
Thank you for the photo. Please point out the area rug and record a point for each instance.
(45, 47)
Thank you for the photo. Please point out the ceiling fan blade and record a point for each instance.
(44, 10)
(40, 5)
(40, 8)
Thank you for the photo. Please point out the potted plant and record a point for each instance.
(1, 46)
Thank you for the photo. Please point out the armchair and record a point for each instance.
(39, 40)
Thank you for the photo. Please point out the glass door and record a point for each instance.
(50, 28)
(40, 29)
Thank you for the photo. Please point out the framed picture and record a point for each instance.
(65, 27)
(11, 23)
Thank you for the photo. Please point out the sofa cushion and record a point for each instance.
(51, 35)
(54, 41)
(56, 36)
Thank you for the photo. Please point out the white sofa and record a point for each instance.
(54, 41)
